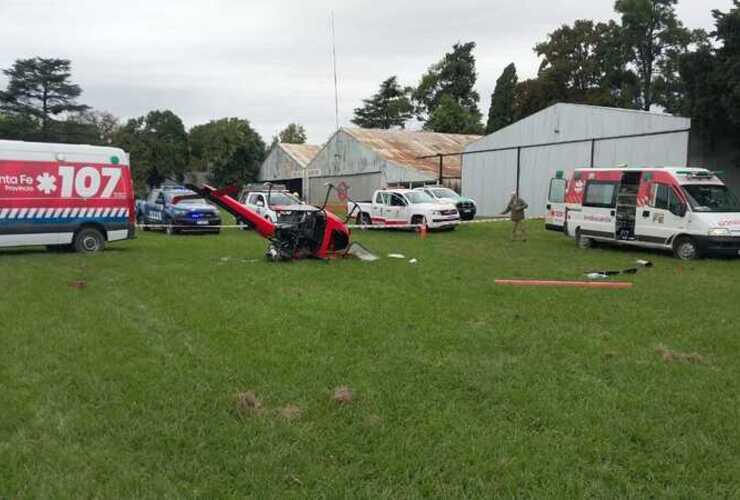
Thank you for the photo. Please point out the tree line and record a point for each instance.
(40, 103)
(644, 59)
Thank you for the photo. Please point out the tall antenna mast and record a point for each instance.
(334, 59)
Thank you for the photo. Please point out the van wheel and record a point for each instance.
(89, 240)
(685, 248)
(583, 241)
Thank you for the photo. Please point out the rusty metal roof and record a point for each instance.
(301, 153)
(404, 147)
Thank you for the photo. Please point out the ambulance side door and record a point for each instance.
(662, 217)
(599, 215)
(555, 215)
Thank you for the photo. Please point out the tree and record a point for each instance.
(451, 118)
(19, 128)
(711, 79)
(727, 33)
(533, 95)
(158, 145)
(87, 127)
(587, 63)
(294, 133)
(501, 112)
(454, 76)
(389, 107)
(651, 30)
(228, 149)
(39, 88)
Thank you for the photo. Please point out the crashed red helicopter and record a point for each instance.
(301, 231)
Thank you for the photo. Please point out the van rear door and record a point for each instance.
(555, 215)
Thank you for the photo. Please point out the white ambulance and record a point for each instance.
(64, 196)
(688, 211)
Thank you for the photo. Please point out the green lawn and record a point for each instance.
(462, 388)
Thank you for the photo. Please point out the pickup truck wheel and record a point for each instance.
(685, 248)
(364, 219)
(419, 220)
(89, 240)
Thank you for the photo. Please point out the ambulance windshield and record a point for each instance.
(712, 198)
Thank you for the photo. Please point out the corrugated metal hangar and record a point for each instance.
(286, 164)
(363, 160)
(528, 153)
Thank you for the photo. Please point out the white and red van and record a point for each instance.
(689, 211)
(64, 196)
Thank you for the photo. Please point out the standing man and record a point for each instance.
(517, 206)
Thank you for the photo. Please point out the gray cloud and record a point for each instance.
(270, 62)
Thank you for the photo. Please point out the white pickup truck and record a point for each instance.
(398, 207)
(268, 203)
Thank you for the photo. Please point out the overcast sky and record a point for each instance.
(270, 61)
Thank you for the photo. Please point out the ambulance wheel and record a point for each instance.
(583, 241)
(89, 240)
(685, 248)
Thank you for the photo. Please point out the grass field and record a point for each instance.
(462, 388)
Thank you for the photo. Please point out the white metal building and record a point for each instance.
(564, 137)
(364, 160)
(286, 164)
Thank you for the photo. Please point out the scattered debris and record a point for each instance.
(413, 261)
(566, 284)
(291, 412)
(361, 252)
(396, 256)
(597, 276)
(79, 284)
(342, 395)
(681, 357)
(247, 404)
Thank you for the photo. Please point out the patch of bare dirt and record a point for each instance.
(679, 357)
(247, 405)
(290, 412)
(343, 395)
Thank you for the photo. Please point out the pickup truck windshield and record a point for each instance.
(447, 194)
(282, 199)
(416, 197)
(712, 198)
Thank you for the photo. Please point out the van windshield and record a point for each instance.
(712, 198)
